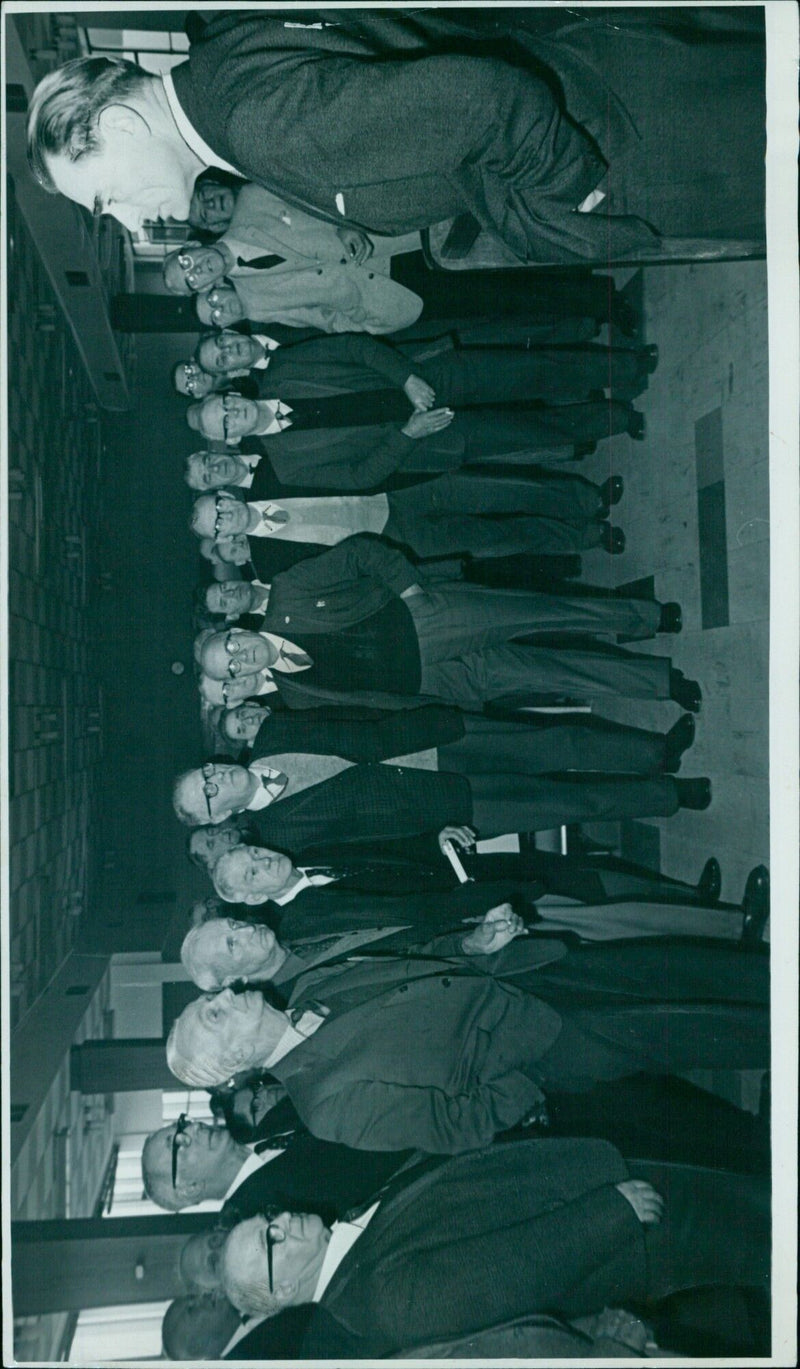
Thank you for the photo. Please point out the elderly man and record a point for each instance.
(434, 1052)
(190, 1162)
(360, 781)
(238, 599)
(206, 844)
(359, 624)
(399, 143)
(199, 1327)
(557, 1226)
(193, 382)
(452, 515)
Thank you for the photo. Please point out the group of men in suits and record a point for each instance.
(425, 1176)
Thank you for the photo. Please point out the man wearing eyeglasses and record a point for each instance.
(558, 1227)
(452, 515)
(190, 380)
(191, 1162)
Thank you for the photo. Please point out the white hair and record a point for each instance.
(200, 1070)
(194, 961)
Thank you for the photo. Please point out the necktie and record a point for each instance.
(395, 1184)
(260, 263)
(297, 659)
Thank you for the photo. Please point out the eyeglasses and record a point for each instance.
(180, 1127)
(210, 790)
(233, 645)
(275, 1236)
(222, 504)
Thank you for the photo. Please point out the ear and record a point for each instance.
(253, 900)
(194, 1189)
(231, 441)
(122, 119)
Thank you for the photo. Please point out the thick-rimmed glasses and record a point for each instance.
(180, 1127)
(233, 645)
(210, 790)
(222, 504)
(274, 1236)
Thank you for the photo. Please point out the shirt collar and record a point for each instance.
(294, 1035)
(343, 1237)
(189, 133)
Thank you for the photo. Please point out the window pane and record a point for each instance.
(158, 61)
(105, 38)
(151, 40)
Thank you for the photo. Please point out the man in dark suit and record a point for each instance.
(308, 780)
(357, 624)
(561, 1226)
(364, 443)
(403, 141)
(432, 1051)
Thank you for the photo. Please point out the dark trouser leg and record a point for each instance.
(569, 498)
(538, 295)
(520, 675)
(639, 1116)
(463, 618)
(525, 749)
(673, 970)
(491, 431)
(485, 536)
(561, 374)
(519, 803)
(715, 1230)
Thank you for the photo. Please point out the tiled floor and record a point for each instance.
(706, 450)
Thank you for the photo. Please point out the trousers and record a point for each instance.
(484, 516)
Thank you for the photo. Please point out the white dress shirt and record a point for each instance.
(295, 1034)
(326, 520)
(343, 1237)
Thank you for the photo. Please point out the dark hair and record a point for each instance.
(66, 105)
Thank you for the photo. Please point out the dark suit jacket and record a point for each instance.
(360, 738)
(429, 1052)
(347, 362)
(398, 144)
(355, 458)
(311, 1176)
(531, 1227)
(365, 802)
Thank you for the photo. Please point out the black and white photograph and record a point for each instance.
(399, 821)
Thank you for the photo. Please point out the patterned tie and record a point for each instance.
(260, 263)
(295, 660)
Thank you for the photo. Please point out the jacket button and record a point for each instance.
(343, 261)
(287, 619)
(446, 983)
(372, 275)
(319, 270)
(403, 988)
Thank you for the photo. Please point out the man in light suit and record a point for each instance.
(296, 269)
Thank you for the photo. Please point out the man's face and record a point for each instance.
(227, 693)
(219, 307)
(191, 380)
(228, 655)
(229, 418)
(232, 950)
(299, 1242)
(256, 873)
(229, 1027)
(227, 352)
(234, 550)
(193, 268)
(209, 843)
(211, 207)
(201, 1151)
(232, 785)
(241, 724)
(211, 470)
(220, 515)
(231, 597)
(134, 174)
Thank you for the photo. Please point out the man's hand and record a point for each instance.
(411, 591)
(646, 1203)
(460, 836)
(357, 245)
(419, 392)
(423, 424)
(615, 1324)
(499, 926)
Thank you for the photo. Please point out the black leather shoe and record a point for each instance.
(671, 619)
(709, 885)
(623, 316)
(649, 356)
(679, 738)
(611, 491)
(612, 539)
(637, 426)
(685, 692)
(755, 906)
(694, 794)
